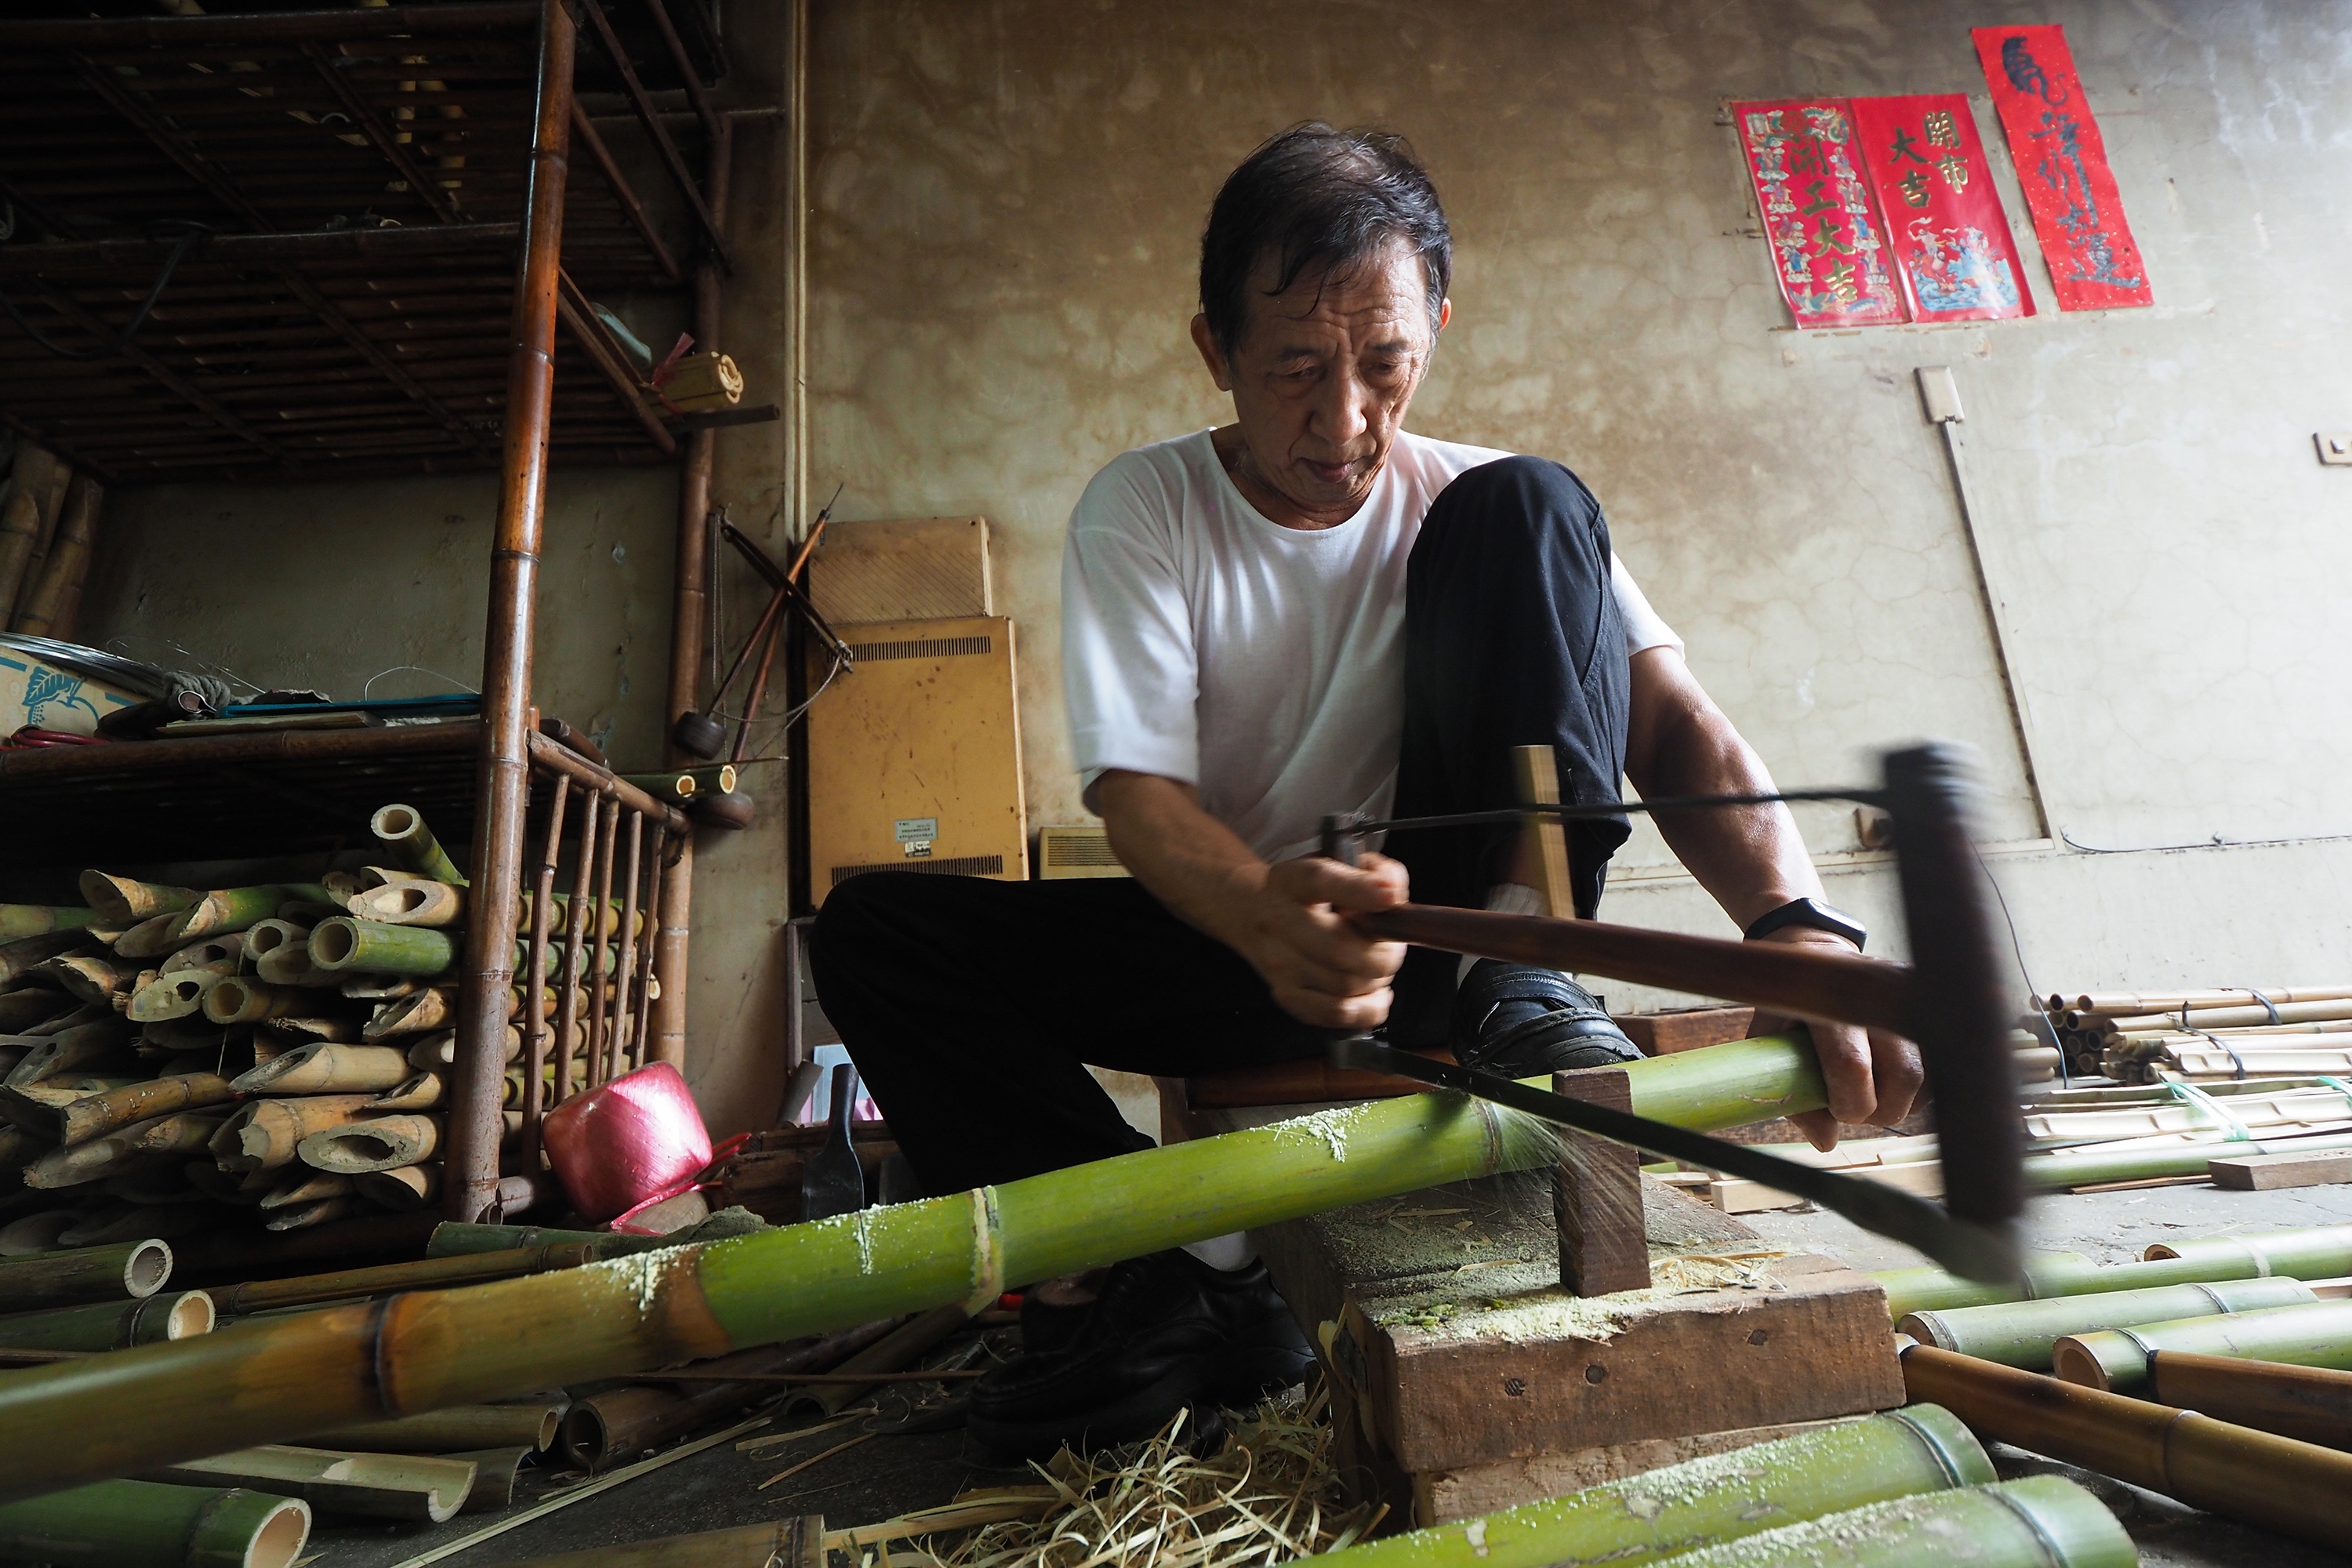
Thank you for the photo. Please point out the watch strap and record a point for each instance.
(1813, 913)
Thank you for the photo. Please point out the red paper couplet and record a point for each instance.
(1943, 219)
(2063, 163)
(1827, 244)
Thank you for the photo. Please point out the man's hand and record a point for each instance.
(1873, 1077)
(1291, 924)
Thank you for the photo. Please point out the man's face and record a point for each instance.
(1321, 378)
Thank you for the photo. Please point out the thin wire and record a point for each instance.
(2216, 842)
(2065, 1076)
(108, 348)
(120, 645)
(420, 670)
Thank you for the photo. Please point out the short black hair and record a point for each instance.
(1313, 196)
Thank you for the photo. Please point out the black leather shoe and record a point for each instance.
(1166, 1332)
(1522, 1020)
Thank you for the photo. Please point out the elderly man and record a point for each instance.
(1310, 610)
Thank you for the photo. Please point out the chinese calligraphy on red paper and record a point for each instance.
(1949, 238)
(1827, 245)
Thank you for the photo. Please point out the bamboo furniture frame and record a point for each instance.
(296, 340)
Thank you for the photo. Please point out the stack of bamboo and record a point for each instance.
(179, 1060)
(48, 526)
(2206, 1037)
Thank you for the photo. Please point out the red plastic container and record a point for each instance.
(627, 1144)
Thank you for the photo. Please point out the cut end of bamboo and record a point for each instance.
(124, 901)
(283, 1529)
(191, 1315)
(146, 1269)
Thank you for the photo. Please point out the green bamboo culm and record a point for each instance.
(345, 945)
(2020, 1334)
(2321, 1252)
(268, 1380)
(2062, 1173)
(147, 1524)
(2042, 1521)
(37, 920)
(108, 1325)
(127, 1270)
(1700, 1503)
(402, 830)
(2317, 1333)
(241, 909)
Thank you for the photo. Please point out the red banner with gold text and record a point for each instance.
(2063, 163)
(1828, 249)
(1950, 242)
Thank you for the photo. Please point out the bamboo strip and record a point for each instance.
(2273, 1483)
(410, 1486)
(139, 1524)
(107, 1326)
(2317, 1333)
(2309, 1404)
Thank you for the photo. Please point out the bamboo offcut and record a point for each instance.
(2317, 1333)
(142, 1524)
(2021, 1333)
(109, 1326)
(2309, 1404)
(2271, 1482)
(82, 1275)
(402, 830)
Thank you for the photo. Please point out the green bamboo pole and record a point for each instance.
(2020, 1334)
(402, 830)
(426, 1274)
(227, 910)
(347, 946)
(2061, 1173)
(111, 1326)
(255, 1382)
(452, 1431)
(124, 1271)
(2323, 1252)
(124, 902)
(144, 1524)
(2042, 1521)
(2318, 1252)
(1648, 1517)
(33, 919)
(2317, 1333)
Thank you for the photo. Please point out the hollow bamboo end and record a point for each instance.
(253, 1530)
(333, 941)
(191, 1315)
(146, 1269)
(2085, 1359)
(395, 823)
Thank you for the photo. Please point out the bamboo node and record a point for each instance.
(987, 1253)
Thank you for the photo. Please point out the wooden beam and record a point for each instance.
(686, 70)
(300, 247)
(329, 313)
(167, 139)
(584, 131)
(650, 118)
(202, 32)
(188, 391)
(610, 359)
(363, 115)
(1597, 1194)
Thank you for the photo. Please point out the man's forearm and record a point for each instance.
(1190, 861)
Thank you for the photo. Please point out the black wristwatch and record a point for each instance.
(1815, 913)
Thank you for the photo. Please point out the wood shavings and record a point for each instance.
(1270, 1495)
(815, 1459)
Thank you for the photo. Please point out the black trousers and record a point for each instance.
(971, 1006)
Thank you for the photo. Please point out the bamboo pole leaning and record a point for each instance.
(423, 1351)
(2271, 1482)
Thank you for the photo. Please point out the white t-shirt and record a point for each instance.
(1263, 665)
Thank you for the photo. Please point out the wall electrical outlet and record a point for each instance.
(2335, 448)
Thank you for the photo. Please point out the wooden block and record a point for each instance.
(1686, 1028)
(1597, 1194)
(1922, 1178)
(1470, 1490)
(2268, 1173)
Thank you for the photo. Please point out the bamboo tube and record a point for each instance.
(2273, 1483)
(410, 902)
(36, 1106)
(139, 1524)
(453, 1430)
(345, 945)
(2040, 1521)
(302, 1186)
(377, 1144)
(215, 954)
(498, 1472)
(410, 1486)
(109, 1326)
(235, 999)
(169, 996)
(678, 786)
(2020, 1334)
(90, 977)
(619, 1424)
(435, 1007)
(2228, 1018)
(418, 1091)
(128, 1270)
(437, 1051)
(402, 1187)
(95, 1159)
(125, 902)
(292, 965)
(615, 915)
(334, 1365)
(2309, 1404)
(2325, 1253)
(426, 1274)
(46, 608)
(2319, 1252)
(227, 910)
(2317, 1333)
(97, 1114)
(100, 1047)
(328, 1068)
(2123, 1002)
(26, 953)
(269, 935)
(263, 1134)
(19, 921)
(402, 830)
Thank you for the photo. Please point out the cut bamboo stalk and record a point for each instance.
(345, 945)
(615, 915)
(112, 1326)
(42, 611)
(2318, 1333)
(2226, 1017)
(155, 938)
(401, 1188)
(302, 1216)
(2271, 1482)
(34, 481)
(139, 1524)
(498, 1472)
(101, 1047)
(2094, 1167)
(402, 830)
(125, 902)
(678, 786)
(2040, 1521)
(91, 977)
(2021, 1333)
(328, 1068)
(377, 1144)
(96, 1159)
(435, 1007)
(333, 1366)
(125, 1271)
(97, 1114)
(236, 909)
(2319, 1252)
(236, 999)
(19, 921)
(418, 1091)
(213, 954)
(263, 1134)
(36, 1106)
(279, 1035)
(426, 1274)
(453, 1430)
(269, 935)
(292, 965)
(302, 1186)
(411, 902)
(180, 996)
(375, 1486)
(2309, 1404)
(26, 953)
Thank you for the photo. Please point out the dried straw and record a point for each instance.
(1270, 1494)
